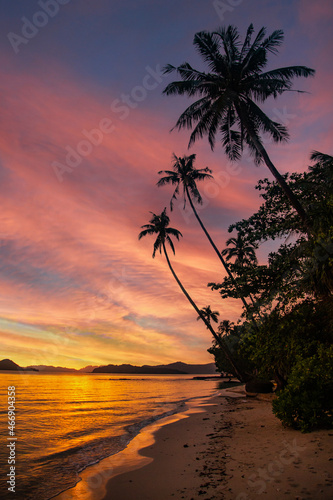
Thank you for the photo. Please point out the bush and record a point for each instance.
(307, 401)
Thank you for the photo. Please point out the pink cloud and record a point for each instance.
(73, 264)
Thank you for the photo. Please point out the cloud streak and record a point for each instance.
(78, 287)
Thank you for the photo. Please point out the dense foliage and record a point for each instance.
(307, 401)
(291, 295)
(285, 329)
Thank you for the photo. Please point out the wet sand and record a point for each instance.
(231, 447)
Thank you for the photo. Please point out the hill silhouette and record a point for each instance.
(8, 364)
(172, 368)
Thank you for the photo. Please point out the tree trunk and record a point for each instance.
(280, 380)
(284, 186)
(241, 376)
(225, 265)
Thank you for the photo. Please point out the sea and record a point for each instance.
(65, 422)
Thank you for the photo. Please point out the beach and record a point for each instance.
(232, 448)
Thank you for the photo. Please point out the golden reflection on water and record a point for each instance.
(66, 422)
(94, 479)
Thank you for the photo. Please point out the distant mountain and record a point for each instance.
(8, 364)
(172, 368)
(144, 370)
(88, 369)
(206, 369)
(47, 368)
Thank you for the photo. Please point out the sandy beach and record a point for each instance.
(237, 449)
(229, 447)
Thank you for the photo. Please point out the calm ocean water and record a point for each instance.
(65, 422)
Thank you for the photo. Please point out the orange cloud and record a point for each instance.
(72, 266)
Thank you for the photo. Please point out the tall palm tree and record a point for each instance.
(209, 314)
(159, 224)
(243, 251)
(184, 174)
(229, 93)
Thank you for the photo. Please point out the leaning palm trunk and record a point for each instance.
(241, 376)
(225, 265)
(279, 178)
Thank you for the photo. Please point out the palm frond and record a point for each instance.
(288, 72)
(278, 132)
(174, 232)
(203, 128)
(144, 233)
(321, 157)
(193, 113)
(170, 179)
(168, 68)
(247, 42)
(174, 196)
(229, 38)
(210, 118)
(157, 245)
(253, 50)
(231, 139)
(195, 193)
(207, 46)
(272, 42)
(189, 88)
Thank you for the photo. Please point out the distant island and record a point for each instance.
(62, 369)
(144, 370)
(169, 369)
(8, 364)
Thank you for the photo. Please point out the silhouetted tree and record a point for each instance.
(243, 251)
(185, 175)
(209, 314)
(229, 93)
(159, 225)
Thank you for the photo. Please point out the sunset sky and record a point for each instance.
(77, 287)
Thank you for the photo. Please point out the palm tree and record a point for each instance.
(243, 252)
(159, 225)
(184, 174)
(229, 93)
(209, 314)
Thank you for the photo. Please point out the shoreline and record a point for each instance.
(227, 446)
(94, 478)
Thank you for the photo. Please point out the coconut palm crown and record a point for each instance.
(228, 95)
(209, 314)
(159, 225)
(243, 251)
(184, 174)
